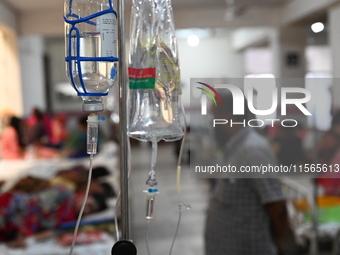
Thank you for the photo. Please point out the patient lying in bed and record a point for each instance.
(35, 205)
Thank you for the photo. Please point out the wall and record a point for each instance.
(8, 16)
(32, 72)
(319, 59)
(10, 86)
(68, 101)
(52, 20)
(212, 58)
(258, 60)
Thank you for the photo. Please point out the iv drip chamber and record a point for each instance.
(90, 49)
(150, 202)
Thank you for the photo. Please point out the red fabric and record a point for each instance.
(31, 213)
(10, 144)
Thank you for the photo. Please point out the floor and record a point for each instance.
(162, 228)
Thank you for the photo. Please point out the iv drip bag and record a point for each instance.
(154, 73)
(90, 49)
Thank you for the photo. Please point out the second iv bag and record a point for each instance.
(90, 49)
(154, 73)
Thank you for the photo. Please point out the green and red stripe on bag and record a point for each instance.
(143, 78)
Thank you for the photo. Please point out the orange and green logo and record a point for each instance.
(209, 93)
(212, 93)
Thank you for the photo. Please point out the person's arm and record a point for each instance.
(279, 221)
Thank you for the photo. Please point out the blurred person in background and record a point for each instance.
(36, 133)
(329, 143)
(245, 215)
(37, 138)
(12, 140)
(329, 154)
(76, 146)
(59, 131)
(288, 146)
(39, 116)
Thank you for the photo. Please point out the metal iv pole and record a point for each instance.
(124, 246)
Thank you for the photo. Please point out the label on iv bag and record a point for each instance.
(107, 28)
(143, 78)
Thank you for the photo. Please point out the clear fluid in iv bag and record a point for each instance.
(97, 76)
(153, 112)
(153, 115)
(90, 34)
(154, 73)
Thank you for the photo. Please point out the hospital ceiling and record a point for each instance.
(22, 6)
(44, 16)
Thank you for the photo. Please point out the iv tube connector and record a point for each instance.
(92, 133)
(92, 106)
(151, 181)
(150, 202)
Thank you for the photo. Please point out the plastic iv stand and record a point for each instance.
(124, 247)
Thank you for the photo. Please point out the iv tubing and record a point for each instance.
(179, 163)
(177, 227)
(147, 237)
(119, 193)
(180, 156)
(82, 207)
(154, 154)
(178, 178)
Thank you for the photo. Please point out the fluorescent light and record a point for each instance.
(193, 40)
(317, 27)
